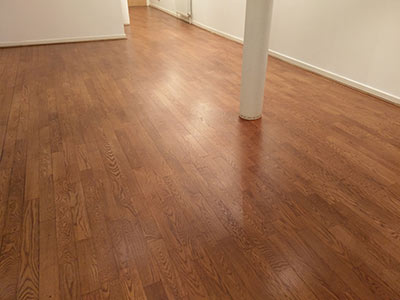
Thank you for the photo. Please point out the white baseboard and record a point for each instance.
(217, 32)
(64, 40)
(168, 11)
(336, 77)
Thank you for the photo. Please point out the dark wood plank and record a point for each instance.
(66, 247)
(10, 261)
(155, 291)
(88, 267)
(28, 279)
(48, 261)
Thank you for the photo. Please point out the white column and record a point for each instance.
(125, 11)
(255, 57)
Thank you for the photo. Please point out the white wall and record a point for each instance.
(166, 4)
(353, 41)
(357, 39)
(24, 22)
(226, 16)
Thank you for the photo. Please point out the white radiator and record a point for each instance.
(184, 7)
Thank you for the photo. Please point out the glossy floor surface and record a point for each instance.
(126, 173)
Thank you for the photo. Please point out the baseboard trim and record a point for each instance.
(64, 40)
(338, 78)
(170, 12)
(217, 32)
(335, 77)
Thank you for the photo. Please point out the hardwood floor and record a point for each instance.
(137, 2)
(126, 173)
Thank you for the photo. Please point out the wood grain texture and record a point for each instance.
(28, 282)
(125, 173)
(137, 2)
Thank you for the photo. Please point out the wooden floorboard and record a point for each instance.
(125, 173)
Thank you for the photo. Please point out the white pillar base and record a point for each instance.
(255, 57)
(250, 118)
